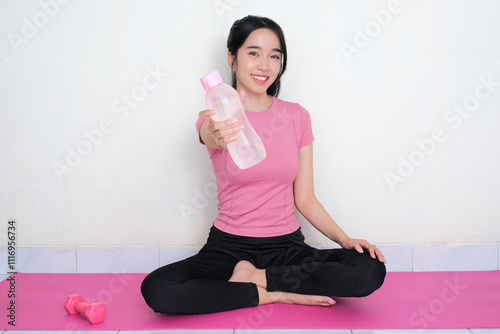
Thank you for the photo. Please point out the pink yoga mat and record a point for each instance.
(405, 301)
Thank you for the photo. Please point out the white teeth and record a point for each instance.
(259, 78)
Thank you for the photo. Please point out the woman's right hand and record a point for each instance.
(218, 134)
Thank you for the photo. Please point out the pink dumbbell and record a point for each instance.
(94, 312)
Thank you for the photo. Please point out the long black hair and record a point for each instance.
(238, 34)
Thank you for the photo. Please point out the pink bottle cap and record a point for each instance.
(211, 80)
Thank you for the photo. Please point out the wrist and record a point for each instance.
(343, 241)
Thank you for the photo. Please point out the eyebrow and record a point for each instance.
(258, 47)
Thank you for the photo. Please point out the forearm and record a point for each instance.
(316, 214)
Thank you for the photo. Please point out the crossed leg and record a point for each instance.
(312, 276)
(245, 272)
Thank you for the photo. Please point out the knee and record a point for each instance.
(159, 293)
(151, 288)
(372, 277)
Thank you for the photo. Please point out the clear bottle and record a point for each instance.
(248, 149)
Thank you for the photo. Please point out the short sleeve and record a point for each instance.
(306, 135)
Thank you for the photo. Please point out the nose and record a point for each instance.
(263, 64)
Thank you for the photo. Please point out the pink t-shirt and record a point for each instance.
(258, 201)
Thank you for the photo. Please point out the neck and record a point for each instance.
(257, 102)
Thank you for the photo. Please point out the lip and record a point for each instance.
(257, 78)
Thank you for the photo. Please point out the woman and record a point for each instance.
(255, 253)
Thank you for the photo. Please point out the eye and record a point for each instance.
(276, 57)
(253, 53)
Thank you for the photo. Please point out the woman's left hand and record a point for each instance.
(360, 245)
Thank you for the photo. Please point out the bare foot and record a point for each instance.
(266, 297)
(295, 298)
(244, 271)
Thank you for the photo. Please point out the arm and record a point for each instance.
(307, 203)
(309, 206)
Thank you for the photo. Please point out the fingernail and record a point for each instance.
(234, 121)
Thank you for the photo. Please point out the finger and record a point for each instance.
(369, 247)
(242, 95)
(230, 131)
(372, 250)
(230, 139)
(380, 256)
(225, 124)
(206, 114)
(326, 301)
(358, 247)
(223, 141)
(222, 146)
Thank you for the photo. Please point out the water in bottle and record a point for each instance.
(248, 149)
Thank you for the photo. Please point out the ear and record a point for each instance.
(230, 60)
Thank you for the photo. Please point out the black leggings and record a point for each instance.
(199, 284)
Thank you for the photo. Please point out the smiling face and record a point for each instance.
(257, 63)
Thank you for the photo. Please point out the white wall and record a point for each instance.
(66, 68)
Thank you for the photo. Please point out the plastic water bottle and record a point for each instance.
(248, 149)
